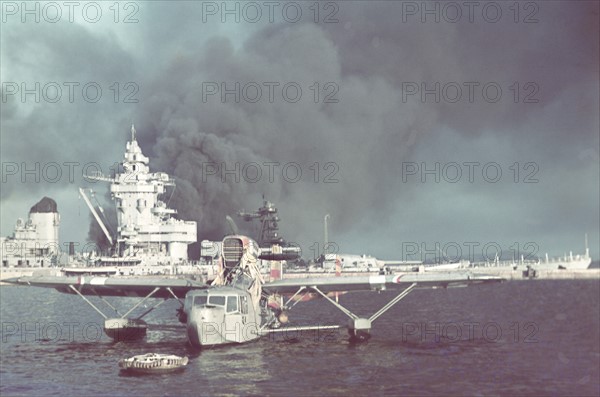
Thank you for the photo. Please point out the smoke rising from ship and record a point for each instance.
(187, 134)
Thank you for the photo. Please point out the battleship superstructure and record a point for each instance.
(269, 236)
(34, 242)
(269, 228)
(146, 231)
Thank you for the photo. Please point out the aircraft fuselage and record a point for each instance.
(221, 315)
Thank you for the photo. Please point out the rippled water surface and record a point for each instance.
(517, 338)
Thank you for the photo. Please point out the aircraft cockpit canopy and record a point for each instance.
(229, 302)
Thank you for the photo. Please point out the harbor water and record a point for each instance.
(536, 337)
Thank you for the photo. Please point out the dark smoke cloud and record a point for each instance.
(192, 133)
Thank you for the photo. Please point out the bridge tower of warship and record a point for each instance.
(146, 230)
(269, 238)
(269, 227)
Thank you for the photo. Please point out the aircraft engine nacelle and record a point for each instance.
(236, 248)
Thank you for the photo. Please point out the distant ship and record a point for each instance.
(572, 262)
(34, 242)
(566, 262)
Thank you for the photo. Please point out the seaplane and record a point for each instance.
(239, 306)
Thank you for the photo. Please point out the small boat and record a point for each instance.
(153, 363)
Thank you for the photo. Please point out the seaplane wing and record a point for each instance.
(239, 306)
(378, 282)
(144, 286)
(114, 286)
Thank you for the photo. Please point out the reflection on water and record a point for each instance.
(530, 337)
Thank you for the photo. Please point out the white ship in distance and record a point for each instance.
(566, 262)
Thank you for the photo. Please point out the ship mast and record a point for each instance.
(269, 229)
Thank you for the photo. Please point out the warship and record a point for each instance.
(34, 242)
(148, 239)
